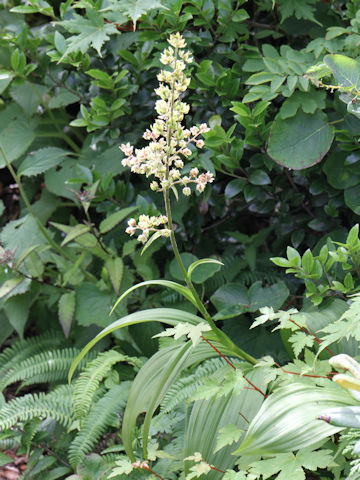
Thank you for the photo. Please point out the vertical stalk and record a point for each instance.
(221, 336)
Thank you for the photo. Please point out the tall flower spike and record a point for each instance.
(169, 140)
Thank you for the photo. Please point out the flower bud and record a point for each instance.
(186, 191)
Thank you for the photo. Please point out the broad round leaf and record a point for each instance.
(339, 174)
(301, 141)
(346, 70)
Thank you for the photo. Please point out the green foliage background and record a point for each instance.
(76, 81)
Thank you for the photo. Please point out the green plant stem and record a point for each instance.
(42, 228)
(221, 336)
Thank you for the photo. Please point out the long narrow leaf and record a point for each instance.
(170, 316)
(185, 292)
(202, 262)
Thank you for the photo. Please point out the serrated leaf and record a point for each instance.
(134, 9)
(75, 232)
(299, 341)
(66, 311)
(9, 286)
(115, 218)
(41, 160)
(227, 435)
(301, 9)
(193, 332)
(92, 31)
(124, 467)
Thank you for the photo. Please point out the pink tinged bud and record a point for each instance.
(204, 128)
(130, 230)
(200, 143)
(194, 130)
(132, 222)
(200, 187)
(186, 191)
(186, 152)
(194, 172)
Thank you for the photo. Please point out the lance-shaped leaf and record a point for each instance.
(288, 421)
(185, 292)
(75, 232)
(170, 316)
(301, 141)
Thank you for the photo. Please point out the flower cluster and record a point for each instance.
(148, 224)
(168, 140)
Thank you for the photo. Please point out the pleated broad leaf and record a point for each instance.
(209, 418)
(155, 378)
(288, 421)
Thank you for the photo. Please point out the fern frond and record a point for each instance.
(23, 349)
(56, 405)
(183, 388)
(45, 367)
(90, 378)
(103, 414)
(30, 429)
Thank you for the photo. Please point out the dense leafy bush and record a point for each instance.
(278, 84)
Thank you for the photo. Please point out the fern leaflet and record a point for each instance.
(97, 422)
(90, 378)
(56, 405)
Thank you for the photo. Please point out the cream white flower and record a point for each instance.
(163, 158)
